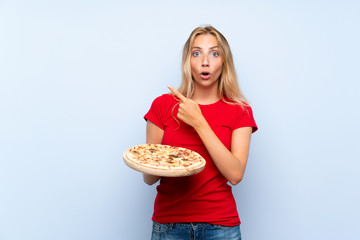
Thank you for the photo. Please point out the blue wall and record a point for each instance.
(76, 77)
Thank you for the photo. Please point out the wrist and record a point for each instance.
(201, 124)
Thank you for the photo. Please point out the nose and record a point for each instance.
(205, 61)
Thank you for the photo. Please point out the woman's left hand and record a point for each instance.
(189, 111)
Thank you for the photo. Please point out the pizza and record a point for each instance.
(164, 160)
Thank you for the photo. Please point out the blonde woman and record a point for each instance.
(207, 114)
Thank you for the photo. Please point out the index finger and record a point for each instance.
(177, 93)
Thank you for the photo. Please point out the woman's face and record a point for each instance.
(206, 63)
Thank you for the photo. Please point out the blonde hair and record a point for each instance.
(228, 84)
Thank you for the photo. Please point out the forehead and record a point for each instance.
(205, 41)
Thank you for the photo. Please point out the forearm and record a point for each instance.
(154, 135)
(231, 167)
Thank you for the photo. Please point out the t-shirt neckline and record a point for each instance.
(211, 104)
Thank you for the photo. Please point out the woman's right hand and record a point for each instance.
(154, 135)
(150, 179)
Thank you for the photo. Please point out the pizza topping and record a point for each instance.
(152, 150)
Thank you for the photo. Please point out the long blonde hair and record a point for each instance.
(228, 85)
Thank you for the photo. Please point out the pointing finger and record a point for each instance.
(177, 93)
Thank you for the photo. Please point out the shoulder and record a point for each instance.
(243, 116)
(160, 107)
(164, 101)
(236, 106)
(166, 98)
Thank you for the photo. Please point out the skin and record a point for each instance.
(205, 57)
(232, 163)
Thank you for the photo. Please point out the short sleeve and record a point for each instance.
(155, 113)
(244, 118)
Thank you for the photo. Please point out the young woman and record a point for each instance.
(207, 114)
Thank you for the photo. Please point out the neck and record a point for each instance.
(205, 96)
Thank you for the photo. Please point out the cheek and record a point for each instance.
(194, 66)
(218, 67)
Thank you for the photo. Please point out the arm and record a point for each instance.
(154, 135)
(232, 163)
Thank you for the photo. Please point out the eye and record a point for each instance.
(214, 54)
(196, 54)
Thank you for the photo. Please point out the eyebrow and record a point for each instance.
(196, 47)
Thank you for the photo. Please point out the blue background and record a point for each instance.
(76, 77)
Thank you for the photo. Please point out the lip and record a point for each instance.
(205, 75)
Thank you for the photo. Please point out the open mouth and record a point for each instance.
(205, 74)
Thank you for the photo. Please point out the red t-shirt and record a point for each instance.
(204, 197)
